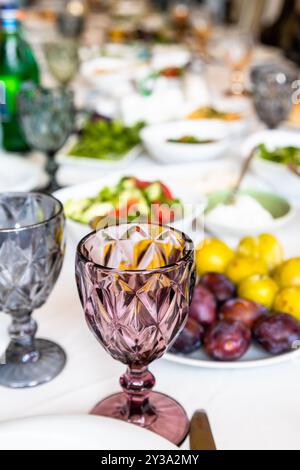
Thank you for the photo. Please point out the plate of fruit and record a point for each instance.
(245, 310)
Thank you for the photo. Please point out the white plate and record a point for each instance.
(77, 433)
(277, 175)
(194, 201)
(255, 357)
(156, 137)
(63, 158)
(17, 173)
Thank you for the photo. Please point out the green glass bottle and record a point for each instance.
(17, 66)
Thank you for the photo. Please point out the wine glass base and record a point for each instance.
(51, 361)
(169, 420)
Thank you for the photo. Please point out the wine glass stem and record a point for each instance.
(51, 168)
(22, 332)
(137, 384)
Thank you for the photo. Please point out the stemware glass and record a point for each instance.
(180, 11)
(202, 27)
(236, 50)
(32, 247)
(135, 283)
(272, 86)
(63, 60)
(47, 118)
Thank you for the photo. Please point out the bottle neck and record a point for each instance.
(9, 19)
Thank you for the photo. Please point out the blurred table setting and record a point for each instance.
(129, 117)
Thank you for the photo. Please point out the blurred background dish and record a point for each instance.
(193, 199)
(190, 141)
(252, 213)
(107, 73)
(277, 174)
(102, 144)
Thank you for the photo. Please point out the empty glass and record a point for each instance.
(32, 248)
(202, 27)
(272, 87)
(180, 11)
(47, 118)
(135, 283)
(235, 49)
(63, 60)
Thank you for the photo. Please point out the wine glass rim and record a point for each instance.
(59, 211)
(161, 269)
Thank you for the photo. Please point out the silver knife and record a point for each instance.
(201, 437)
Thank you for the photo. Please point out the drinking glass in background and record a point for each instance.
(179, 11)
(32, 246)
(202, 27)
(47, 118)
(71, 20)
(272, 87)
(135, 283)
(235, 49)
(63, 60)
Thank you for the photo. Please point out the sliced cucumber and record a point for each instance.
(97, 209)
(154, 192)
(128, 195)
(74, 208)
(127, 183)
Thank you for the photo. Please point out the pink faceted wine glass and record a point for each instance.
(135, 283)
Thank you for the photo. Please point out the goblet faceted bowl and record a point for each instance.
(32, 248)
(47, 118)
(135, 283)
(273, 90)
(62, 59)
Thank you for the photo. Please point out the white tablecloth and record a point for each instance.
(251, 409)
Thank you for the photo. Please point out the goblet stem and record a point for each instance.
(137, 384)
(237, 83)
(22, 333)
(29, 362)
(51, 169)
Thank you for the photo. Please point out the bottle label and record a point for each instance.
(3, 102)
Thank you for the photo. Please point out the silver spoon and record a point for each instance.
(295, 169)
(232, 195)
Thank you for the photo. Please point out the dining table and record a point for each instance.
(249, 409)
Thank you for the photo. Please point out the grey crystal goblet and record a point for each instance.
(272, 86)
(32, 245)
(47, 118)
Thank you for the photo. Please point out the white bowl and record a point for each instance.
(275, 174)
(155, 139)
(283, 213)
(194, 203)
(106, 72)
